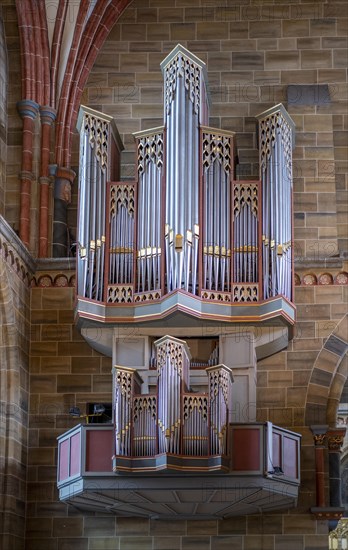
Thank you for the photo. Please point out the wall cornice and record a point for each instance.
(15, 253)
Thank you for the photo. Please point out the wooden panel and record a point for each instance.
(290, 457)
(99, 450)
(64, 459)
(246, 450)
(75, 454)
(276, 454)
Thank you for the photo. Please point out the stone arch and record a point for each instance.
(8, 378)
(328, 377)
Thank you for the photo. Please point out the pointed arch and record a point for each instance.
(90, 47)
(328, 377)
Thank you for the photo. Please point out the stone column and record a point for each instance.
(27, 110)
(48, 116)
(62, 197)
(335, 437)
(319, 435)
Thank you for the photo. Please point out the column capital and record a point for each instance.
(62, 185)
(65, 173)
(44, 180)
(335, 438)
(48, 114)
(319, 434)
(27, 108)
(26, 175)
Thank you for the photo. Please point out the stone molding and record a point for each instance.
(44, 273)
(322, 279)
(15, 253)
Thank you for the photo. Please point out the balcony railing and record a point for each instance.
(263, 475)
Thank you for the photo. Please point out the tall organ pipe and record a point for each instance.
(96, 136)
(150, 224)
(276, 130)
(185, 106)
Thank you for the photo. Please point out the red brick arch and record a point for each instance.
(39, 89)
(104, 18)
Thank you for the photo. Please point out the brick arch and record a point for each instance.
(328, 377)
(7, 320)
(106, 16)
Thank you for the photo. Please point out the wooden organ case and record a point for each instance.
(186, 234)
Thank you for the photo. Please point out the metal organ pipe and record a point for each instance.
(173, 362)
(96, 137)
(184, 99)
(220, 389)
(276, 130)
(168, 217)
(150, 162)
(216, 158)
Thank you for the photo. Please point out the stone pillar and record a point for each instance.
(48, 115)
(335, 437)
(62, 197)
(27, 110)
(333, 512)
(319, 435)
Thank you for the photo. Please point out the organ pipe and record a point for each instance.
(245, 231)
(173, 363)
(121, 239)
(217, 161)
(276, 136)
(220, 391)
(185, 108)
(97, 135)
(126, 383)
(150, 223)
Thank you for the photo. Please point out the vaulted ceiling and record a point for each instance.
(59, 42)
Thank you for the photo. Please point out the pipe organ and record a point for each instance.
(185, 245)
(174, 422)
(185, 226)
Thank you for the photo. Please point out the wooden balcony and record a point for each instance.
(263, 475)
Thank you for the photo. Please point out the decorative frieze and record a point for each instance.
(15, 254)
(326, 278)
(245, 293)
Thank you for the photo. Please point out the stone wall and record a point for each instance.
(15, 269)
(65, 371)
(14, 133)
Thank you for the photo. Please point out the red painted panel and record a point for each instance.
(99, 450)
(276, 456)
(75, 454)
(64, 459)
(246, 449)
(290, 466)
